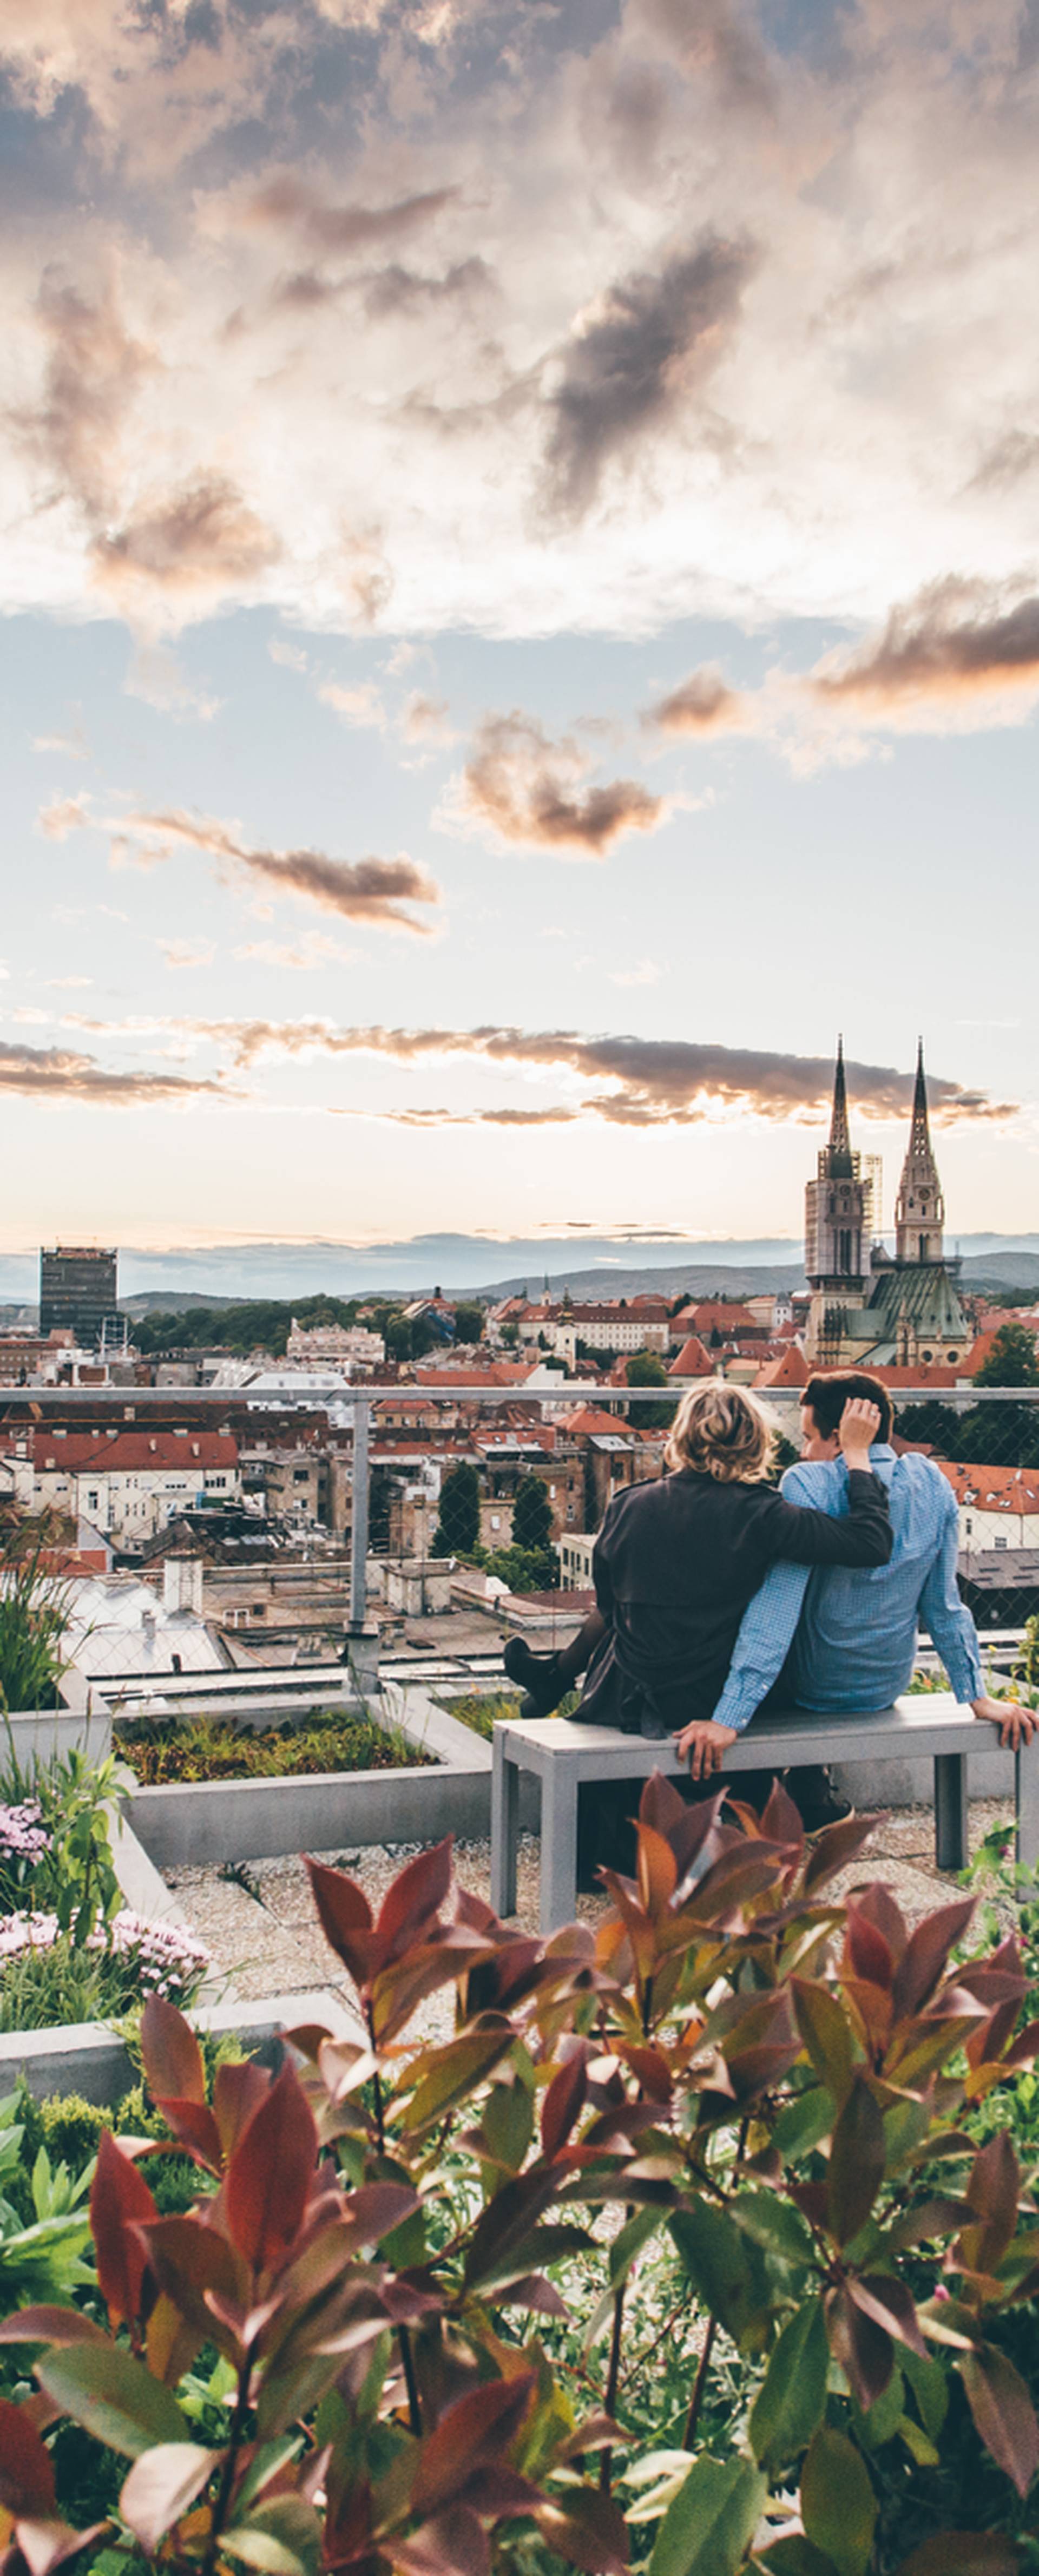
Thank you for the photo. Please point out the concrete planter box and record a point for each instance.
(85, 2057)
(44, 1734)
(188, 1825)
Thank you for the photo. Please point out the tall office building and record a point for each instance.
(79, 1289)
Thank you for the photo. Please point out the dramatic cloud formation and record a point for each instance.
(368, 890)
(59, 1073)
(653, 1081)
(591, 325)
(524, 788)
(956, 648)
(645, 349)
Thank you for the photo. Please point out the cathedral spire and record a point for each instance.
(920, 1208)
(840, 1164)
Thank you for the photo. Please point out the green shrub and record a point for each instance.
(161, 1750)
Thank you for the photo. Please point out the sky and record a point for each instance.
(520, 587)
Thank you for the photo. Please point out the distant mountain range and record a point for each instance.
(494, 1266)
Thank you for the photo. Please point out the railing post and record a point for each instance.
(359, 1520)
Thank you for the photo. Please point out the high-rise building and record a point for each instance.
(79, 1288)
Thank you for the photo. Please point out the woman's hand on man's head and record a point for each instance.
(859, 1425)
(705, 1744)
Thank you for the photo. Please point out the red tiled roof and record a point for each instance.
(790, 1370)
(692, 1361)
(591, 1421)
(993, 1489)
(76, 1453)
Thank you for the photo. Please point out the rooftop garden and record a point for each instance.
(159, 1750)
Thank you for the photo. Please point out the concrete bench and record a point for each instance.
(563, 1753)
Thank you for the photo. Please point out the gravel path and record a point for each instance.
(258, 1920)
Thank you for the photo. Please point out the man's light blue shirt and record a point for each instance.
(855, 1645)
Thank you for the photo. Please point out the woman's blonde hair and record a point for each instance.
(722, 1431)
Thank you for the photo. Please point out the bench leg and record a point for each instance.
(504, 1822)
(951, 1846)
(558, 1847)
(1026, 1783)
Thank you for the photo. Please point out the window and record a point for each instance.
(93, 1502)
(300, 1475)
(1000, 1538)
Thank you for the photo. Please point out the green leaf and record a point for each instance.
(103, 2388)
(630, 2242)
(795, 2556)
(882, 2419)
(706, 2529)
(508, 2123)
(282, 2538)
(803, 2123)
(918, 2443)
(790, 2402)
(930, 2388)
(775, 2224)
(837, 2501)
(727, 2271)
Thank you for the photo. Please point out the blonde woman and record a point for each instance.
(677, 1561)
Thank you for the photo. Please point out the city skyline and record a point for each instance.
(520, 617)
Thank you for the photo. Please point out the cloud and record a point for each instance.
(525, 789)
(635, 1081)
(201, 537)
(63, 815)
(156, 676)
(368, 890)
(289, 204)
(703, 704)
(303, 956)
(72, 745)
(60, 1073)
(643, 348)
(185, 953)
(427, 722)
(959, 649)
(646, 972)
(291, 656)
(359, 706)
(94, 370)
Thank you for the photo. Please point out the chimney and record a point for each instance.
(148, 1627)
(182, 1584)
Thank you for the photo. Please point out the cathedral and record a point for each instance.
(869, 1308)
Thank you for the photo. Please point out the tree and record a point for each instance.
(458, 1527)
(468, 1323)
(531, 1515)
(1012, 1359)
(645, 1368)
(510, 1334)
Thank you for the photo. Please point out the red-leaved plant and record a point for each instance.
(775, 2077)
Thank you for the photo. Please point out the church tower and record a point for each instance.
(920, 1207)
(835, 1205)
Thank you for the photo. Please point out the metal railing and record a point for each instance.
(995, 1428)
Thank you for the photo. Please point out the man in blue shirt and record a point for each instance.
(846, 1640)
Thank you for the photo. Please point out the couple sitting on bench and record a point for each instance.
(716, 1594)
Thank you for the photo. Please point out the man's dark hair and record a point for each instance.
(827, 1397)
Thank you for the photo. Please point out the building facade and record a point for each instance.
(79, 1289)
(869, 1309)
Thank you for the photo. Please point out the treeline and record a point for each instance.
(259, 1323)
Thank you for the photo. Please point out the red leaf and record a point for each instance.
(416, 1895)
(478, 2426)
(992, 2191)
(927, 1952)
(237, 2093)
(171, 2053)
(269, 2176)
(46, 2545)
(652, 2069)
(585, 2526)
(856, 2166)
(51, 2325)
(453, 2543)
(193, 2127)
(120, 2201)
(662, 1806)
(160, 2487)
(891, 2305)
(657, 1870)
(26, 2473)
(535, 2294)
(835, 1847)
(1002, 2411)
(880, 1908)
(190, 2258)
(563, 2103)
(868, 1952)
(781, 1820)
(963, 2553)
(345, 1917)
(864, 2349)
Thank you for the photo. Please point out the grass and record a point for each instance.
(213, 1749)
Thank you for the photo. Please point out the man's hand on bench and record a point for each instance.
(705, 1743)
(1016, 1725)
